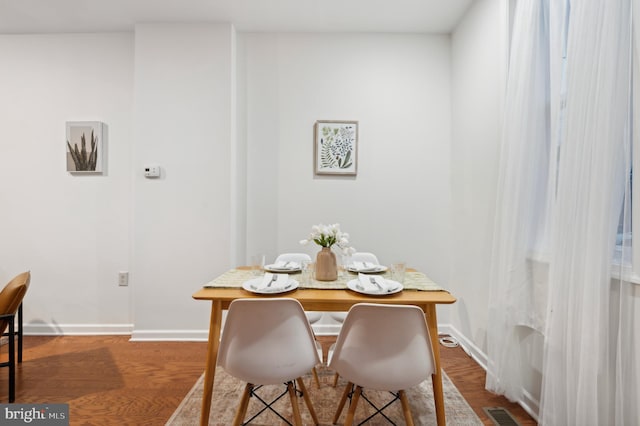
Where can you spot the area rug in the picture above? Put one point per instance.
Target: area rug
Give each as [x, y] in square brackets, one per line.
[227, 391]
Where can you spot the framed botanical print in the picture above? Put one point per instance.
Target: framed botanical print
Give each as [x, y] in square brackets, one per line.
[336, 147]
[85, 146]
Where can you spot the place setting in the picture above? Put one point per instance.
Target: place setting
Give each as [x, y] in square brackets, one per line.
[363, 266]
[284, 266]
[271, 283]
[375, 285]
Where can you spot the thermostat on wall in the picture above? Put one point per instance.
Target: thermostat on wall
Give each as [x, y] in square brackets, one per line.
[152, 171]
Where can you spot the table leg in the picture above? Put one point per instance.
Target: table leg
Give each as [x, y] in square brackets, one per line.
[212, 359]
[436, 378]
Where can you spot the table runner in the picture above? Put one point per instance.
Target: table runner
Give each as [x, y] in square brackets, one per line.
[413, 280]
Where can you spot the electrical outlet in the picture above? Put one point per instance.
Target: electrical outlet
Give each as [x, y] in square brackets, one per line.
[123, 278]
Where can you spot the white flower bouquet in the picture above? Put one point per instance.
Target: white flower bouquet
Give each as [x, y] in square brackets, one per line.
[329, 235]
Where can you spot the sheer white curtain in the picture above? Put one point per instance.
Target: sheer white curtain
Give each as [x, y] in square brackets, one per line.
[584, 359]
[591, 362]
[520, 208]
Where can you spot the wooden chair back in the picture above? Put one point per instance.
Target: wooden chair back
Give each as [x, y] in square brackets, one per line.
[11, 296]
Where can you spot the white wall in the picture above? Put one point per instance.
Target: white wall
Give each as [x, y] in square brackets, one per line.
[184, 117]
[477, 71]
[398, 88]
[76, 232]
[72, 232]
[167, 93]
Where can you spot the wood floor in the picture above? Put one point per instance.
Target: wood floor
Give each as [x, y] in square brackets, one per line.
[107, 380]
[469, 378]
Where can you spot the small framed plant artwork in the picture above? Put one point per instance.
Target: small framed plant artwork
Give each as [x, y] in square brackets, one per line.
[85, 145]
[336, 147]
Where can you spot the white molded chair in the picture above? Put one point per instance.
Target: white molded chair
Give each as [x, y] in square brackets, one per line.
[313, 317]
[385, 348]
[268, 342]
[364, 257]
[293, 257]
[355, 257]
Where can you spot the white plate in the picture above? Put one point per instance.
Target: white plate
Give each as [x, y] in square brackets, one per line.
[373, 270]
[252, 286]
[356, 286]
[275, 268]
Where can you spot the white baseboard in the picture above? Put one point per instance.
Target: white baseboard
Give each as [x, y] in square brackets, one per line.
[467, 345]
[42, 329]
[203, 335]
[170, 335]
[140, 335]
[528, 402]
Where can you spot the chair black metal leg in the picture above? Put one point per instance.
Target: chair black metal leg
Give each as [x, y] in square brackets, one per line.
[12, 361]
[19, 334]
[267, 405]
[396, 397]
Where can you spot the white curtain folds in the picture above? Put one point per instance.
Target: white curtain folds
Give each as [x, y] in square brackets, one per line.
[582, 384]
[564, 180]
[522, 194]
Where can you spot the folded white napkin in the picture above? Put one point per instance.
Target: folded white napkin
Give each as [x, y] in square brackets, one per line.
[368, 282]
[282, 264]
[364, 266]
[273, 282]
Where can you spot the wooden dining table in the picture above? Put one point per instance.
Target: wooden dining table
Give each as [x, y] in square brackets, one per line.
[323, 297]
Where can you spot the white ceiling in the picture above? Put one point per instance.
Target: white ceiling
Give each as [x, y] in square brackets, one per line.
[55, 16]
